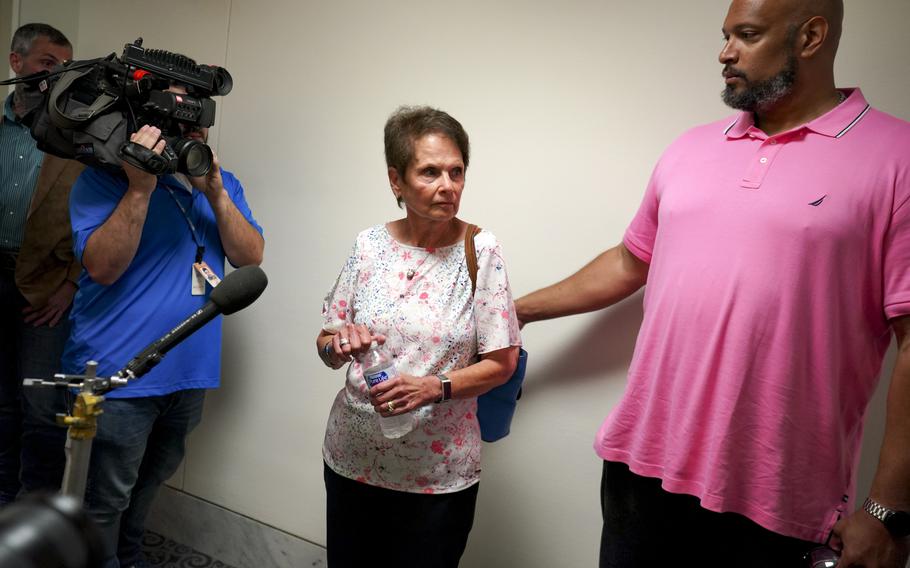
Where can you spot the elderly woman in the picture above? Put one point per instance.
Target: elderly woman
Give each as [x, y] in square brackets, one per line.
[406, 284]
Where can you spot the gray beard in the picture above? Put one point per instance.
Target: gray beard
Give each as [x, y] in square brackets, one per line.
[19, 100]
[762, 95]
[26, 100]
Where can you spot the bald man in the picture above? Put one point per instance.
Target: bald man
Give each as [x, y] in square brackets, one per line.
[775, 245]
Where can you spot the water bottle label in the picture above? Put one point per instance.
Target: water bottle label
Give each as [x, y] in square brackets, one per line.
[377, 378]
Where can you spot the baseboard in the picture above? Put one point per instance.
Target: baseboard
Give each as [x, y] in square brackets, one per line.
[228, 536]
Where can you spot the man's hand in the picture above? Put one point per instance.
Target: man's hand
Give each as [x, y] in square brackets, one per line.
[242, 243]
[211, 184]
[56, 306]
[863, 540]
[141, 180]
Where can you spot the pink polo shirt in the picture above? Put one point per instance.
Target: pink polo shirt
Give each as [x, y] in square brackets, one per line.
[775, 264]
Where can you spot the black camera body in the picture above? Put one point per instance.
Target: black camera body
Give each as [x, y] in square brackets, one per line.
[87, 110]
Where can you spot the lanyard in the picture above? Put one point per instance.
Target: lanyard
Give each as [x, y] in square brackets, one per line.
[200, 249]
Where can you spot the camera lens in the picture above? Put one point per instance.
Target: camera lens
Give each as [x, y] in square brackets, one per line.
[193, 157]
[195, 161]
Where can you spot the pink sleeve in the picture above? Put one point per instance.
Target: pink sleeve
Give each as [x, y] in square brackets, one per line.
[897, 262]
[642, 231]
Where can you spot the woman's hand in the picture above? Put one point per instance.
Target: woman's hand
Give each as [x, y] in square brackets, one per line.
[338, 348]
[405, 393]
[354, 340]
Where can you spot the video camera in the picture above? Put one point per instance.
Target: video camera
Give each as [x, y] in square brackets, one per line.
[87, 110]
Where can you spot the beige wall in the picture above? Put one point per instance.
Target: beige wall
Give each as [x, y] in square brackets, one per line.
[568, 105]
[6, 27]
[9, 18]
[63, 15]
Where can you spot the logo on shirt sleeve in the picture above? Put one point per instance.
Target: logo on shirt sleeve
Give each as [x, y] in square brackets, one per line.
[818, 201]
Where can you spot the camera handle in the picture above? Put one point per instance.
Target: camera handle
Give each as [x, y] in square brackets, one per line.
[82, 424]
[146, 160]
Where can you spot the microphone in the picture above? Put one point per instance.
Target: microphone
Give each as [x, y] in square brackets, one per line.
[238, 290]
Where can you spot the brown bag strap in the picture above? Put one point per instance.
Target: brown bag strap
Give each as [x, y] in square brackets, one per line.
[470, 254]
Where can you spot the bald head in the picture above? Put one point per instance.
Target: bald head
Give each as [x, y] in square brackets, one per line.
[797, 13]
[778, 51]
[832, 11]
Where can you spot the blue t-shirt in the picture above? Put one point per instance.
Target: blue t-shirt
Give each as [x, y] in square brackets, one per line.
[112, 324]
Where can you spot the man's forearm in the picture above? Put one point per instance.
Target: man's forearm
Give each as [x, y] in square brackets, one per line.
[242, 243]
[612, 276]
[891, 484]
[111, 248]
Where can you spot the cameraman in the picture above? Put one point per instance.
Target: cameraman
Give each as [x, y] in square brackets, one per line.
[140, 239]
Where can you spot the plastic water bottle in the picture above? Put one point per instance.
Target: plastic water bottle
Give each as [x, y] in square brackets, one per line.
[379, 367]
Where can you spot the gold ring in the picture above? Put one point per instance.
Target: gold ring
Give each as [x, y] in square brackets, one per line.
[391, 406]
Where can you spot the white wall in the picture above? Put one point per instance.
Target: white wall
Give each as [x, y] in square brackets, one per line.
[568, 105]
[62, 14]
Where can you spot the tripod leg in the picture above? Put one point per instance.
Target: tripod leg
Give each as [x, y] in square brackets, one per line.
[78, 453]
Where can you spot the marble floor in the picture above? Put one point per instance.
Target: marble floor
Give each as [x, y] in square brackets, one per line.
[227, 537]
[162, 552]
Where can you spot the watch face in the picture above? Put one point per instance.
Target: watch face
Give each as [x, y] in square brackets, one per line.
[898, 523]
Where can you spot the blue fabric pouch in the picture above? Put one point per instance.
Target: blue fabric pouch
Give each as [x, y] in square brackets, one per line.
[496, 407]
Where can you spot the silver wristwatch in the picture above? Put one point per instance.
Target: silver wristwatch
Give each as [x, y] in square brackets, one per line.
[897, 522]
[446, 384]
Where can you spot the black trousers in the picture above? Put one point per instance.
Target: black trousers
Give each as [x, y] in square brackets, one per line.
[373, 526]
[32, 454]
[647, 527]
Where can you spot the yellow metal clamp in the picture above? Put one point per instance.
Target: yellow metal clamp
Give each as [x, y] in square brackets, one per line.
[84, 421]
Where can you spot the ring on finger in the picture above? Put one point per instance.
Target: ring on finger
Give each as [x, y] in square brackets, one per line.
[391, 406]
[343, 341]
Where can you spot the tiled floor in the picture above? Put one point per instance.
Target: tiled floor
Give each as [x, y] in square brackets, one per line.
[163, 552]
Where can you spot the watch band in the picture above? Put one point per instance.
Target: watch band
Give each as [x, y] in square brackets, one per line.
[877, 510]
[446, 383]
[897, 522]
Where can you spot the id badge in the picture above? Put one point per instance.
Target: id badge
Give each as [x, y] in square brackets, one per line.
[197, 282]
[206, 273]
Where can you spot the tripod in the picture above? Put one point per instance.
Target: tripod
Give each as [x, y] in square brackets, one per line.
[82, 423]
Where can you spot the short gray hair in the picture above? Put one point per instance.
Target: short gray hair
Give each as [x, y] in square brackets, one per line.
[26, 35]
[409, 123]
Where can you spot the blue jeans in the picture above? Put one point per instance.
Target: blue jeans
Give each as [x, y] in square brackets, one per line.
[31, 444]
[139, 445]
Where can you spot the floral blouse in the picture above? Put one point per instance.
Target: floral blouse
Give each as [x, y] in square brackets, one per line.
[420, 298]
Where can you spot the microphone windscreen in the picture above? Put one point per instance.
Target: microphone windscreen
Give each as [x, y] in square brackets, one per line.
[239, 289]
